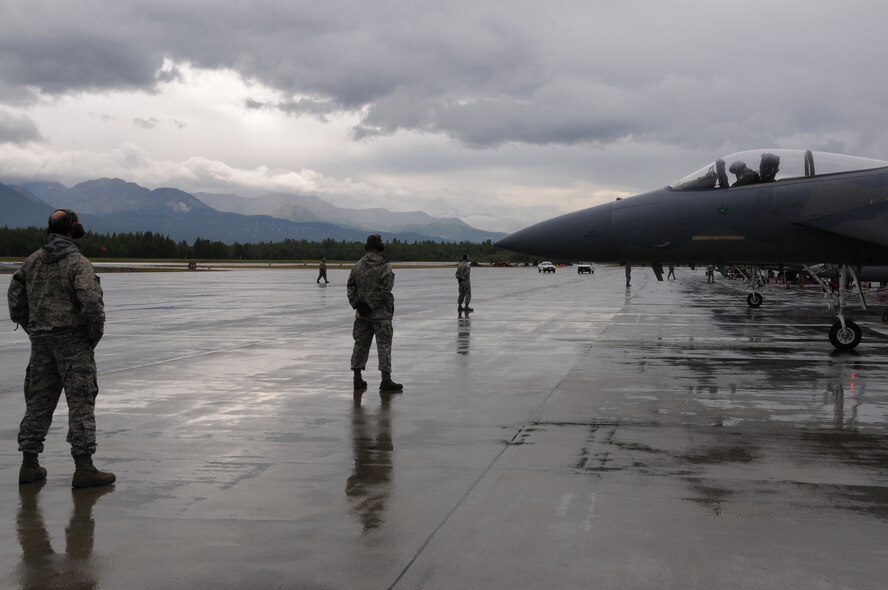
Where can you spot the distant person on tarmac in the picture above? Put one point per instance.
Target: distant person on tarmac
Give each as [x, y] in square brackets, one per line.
[57, 300]
[710, 274]
[463, 270]
[628, 275]
[671, 274]
[322, 271]
[370, 294]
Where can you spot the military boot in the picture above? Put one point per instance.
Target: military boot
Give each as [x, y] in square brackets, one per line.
[31, 470]
[360, 384]
[87, 476]
[389, 386]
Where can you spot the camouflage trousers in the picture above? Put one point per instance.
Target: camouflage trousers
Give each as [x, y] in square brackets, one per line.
[363, 333]
[465, 293]
[60, 361]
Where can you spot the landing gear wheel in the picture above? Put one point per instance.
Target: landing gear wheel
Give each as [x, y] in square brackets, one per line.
[845, 338]
[754, 300]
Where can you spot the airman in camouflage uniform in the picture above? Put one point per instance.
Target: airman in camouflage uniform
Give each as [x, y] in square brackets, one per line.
[370, 294]
[322, 271]
[56, 297]
[463, 269]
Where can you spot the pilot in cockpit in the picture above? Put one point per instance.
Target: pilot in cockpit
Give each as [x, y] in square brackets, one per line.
[745, 174]
[769, 167]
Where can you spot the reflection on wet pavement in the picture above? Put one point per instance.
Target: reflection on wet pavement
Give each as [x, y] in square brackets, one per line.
[369, 486]
[41, 567]
[463, 335]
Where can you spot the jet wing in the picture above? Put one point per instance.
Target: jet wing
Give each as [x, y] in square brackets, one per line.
[868, 223]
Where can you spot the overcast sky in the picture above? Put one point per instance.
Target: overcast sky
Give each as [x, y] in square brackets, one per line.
[500, 113]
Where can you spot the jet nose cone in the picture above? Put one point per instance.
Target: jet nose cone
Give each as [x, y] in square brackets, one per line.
[511, 242]
[527, 240]
[584, 235]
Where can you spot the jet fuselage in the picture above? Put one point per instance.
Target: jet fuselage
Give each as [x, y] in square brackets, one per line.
[831, 218]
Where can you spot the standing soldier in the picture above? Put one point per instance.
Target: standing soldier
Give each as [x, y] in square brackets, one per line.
[322, 271]
[57, 299]
[628, 275]
[463, 269]
[370, 294]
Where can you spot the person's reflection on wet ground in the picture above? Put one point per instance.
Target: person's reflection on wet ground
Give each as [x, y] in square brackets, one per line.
[369, 486]
[463, 334]
[41, 567]
[836, 393]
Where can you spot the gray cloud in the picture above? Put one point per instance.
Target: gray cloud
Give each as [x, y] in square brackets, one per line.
[254, 105]
[58, 52]
[146, 123]
[169, 73]
[317, 107]
[17, 128]
[489, 73]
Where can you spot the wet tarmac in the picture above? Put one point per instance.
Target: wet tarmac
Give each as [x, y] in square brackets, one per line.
[571, 433]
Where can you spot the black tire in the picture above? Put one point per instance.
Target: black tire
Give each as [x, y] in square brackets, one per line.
[846, 339]
[754, 300]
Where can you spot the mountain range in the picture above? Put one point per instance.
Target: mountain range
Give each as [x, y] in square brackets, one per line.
[302, 208]
[114, 205]
[20, 208]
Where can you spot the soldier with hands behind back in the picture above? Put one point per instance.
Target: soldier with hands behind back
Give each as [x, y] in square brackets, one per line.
[370, 295]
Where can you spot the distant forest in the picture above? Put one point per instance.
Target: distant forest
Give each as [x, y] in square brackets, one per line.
[20, 243]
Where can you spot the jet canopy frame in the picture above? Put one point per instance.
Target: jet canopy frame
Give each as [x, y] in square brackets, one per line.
[771, 165]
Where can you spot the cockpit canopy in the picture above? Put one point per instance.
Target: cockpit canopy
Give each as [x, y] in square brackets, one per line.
[755, 166]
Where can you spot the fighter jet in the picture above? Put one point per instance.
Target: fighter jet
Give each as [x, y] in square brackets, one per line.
[780, 207]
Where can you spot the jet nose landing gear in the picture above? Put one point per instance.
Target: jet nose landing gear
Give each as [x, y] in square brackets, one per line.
[755, 282]
[845, 337]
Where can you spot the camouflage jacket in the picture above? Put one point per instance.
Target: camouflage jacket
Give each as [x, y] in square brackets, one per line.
[371, 281]
[462, 270]
[57, 289]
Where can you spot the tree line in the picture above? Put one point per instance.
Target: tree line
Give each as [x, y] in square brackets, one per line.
[21, 242]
